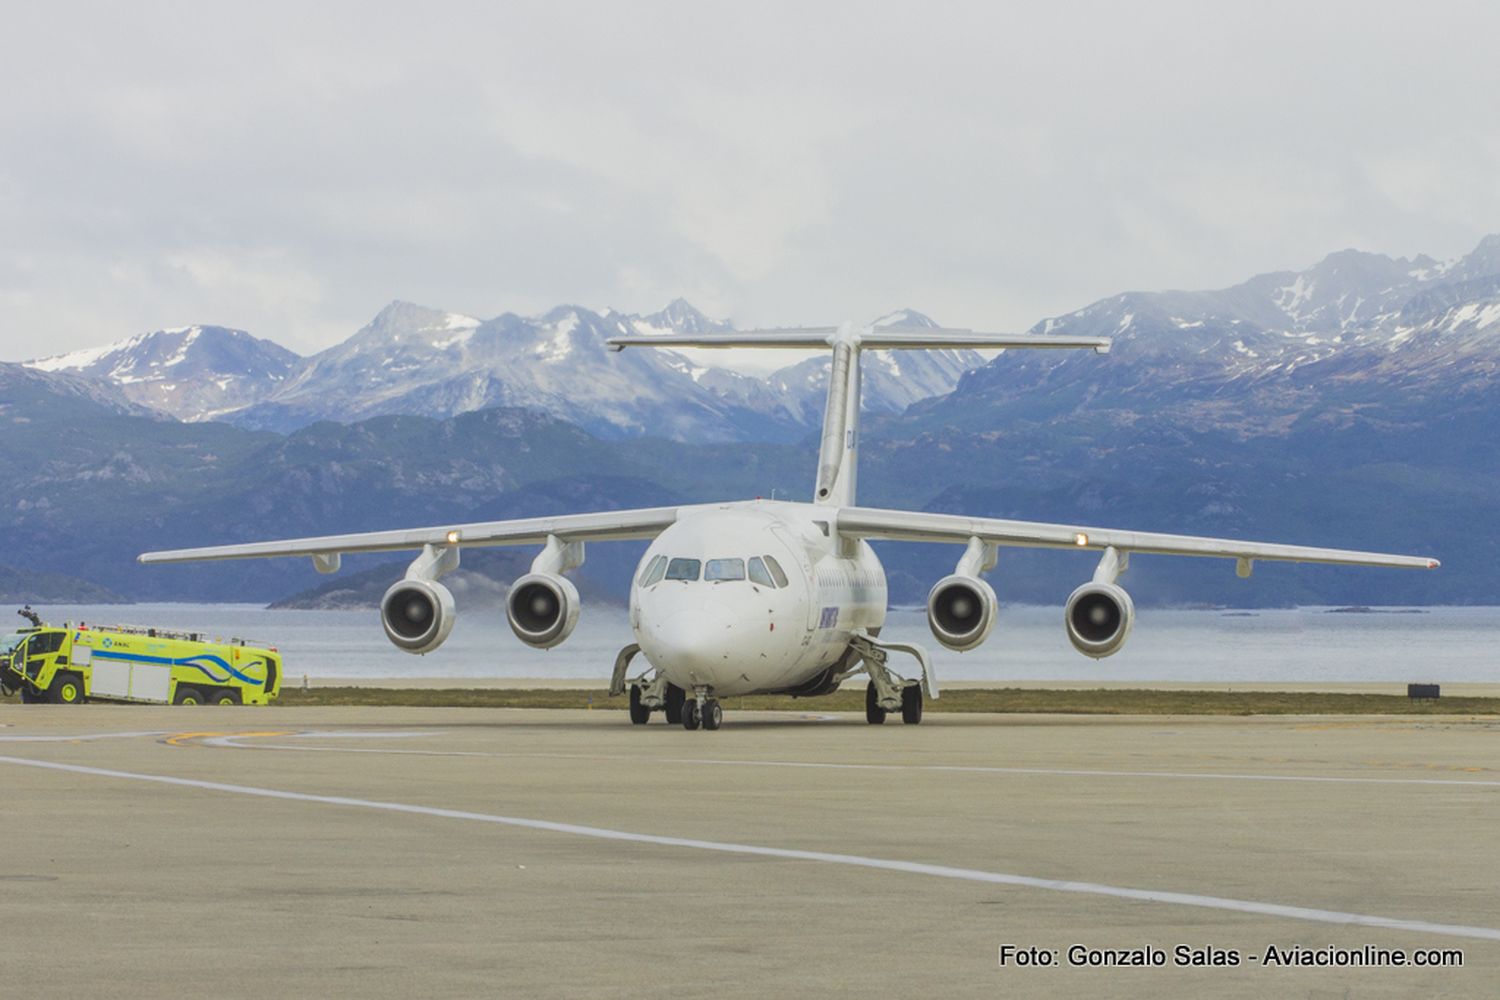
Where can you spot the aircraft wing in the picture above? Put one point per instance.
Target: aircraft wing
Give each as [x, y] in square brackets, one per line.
[610, 525]
[916, 526]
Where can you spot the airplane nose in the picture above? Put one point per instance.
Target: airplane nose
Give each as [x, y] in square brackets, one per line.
[697, 642]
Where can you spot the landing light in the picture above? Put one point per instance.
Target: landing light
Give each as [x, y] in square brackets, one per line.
[1080, 539]
[453, 537]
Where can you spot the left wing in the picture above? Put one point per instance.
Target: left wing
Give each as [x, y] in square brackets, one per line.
[609, 525]
[916, 526]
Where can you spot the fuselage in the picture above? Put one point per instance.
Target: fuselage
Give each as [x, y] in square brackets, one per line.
[753, 596]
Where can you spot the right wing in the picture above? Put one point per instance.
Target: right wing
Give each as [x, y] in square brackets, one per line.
[609, 525]
[920, 526]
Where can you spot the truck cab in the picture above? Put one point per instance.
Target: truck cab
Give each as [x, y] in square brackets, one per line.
[36, 666]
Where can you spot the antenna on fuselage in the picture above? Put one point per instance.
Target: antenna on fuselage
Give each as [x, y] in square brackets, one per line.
[838, 452]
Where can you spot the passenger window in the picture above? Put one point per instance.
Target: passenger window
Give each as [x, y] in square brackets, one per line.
[725, 569]
[775, 568]
[653, 572]
[758, 573]
[683, 569]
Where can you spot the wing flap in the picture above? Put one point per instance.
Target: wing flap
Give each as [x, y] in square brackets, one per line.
[916, 526]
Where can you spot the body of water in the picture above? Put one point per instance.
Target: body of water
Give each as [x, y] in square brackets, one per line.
[1305, 645]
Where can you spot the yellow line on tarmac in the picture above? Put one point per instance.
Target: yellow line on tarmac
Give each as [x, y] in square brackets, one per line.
[186, 739]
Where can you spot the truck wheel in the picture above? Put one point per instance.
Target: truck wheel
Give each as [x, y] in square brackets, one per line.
[67, 689]
[188, 696]
[224, 696]
[30, 697]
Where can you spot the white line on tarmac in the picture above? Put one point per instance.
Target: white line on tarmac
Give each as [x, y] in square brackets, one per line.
[85, 736]
[233, 742]
[852, 860]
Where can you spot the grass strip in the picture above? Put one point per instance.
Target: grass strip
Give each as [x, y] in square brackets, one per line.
[1004, 700]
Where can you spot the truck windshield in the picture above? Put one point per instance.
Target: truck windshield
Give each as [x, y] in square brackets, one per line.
[10, 642]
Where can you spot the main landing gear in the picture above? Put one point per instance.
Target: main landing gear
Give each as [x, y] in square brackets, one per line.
[888, 691]
[651, 692]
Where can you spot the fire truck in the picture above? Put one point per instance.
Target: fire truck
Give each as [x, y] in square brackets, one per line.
[132, 663]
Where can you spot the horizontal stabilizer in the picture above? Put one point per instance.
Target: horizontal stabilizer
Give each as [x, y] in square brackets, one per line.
[895, 338]
[886, 338]
[802, 336]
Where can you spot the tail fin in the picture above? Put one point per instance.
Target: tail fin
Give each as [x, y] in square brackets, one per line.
[838, 455]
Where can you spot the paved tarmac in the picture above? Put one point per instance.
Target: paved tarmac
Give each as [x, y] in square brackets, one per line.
[282, 852]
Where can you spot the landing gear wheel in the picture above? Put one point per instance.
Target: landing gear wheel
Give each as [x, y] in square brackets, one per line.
[67, 689]
[675, 697]
[224, 696]
[713, 715]
[690, 718]
[188, 696]
[911, 704]
[874, 714]
[639, 714]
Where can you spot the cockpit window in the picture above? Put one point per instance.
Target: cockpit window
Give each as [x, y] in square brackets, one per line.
[683, 569]
[654, 571]
[775, 568]
[725, 569]
[758, 573]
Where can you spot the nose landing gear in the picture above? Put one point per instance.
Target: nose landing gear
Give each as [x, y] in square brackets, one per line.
[702, 710]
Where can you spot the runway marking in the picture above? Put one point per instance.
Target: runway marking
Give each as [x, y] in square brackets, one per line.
[230, 741]
[83, 737]
[851, 860]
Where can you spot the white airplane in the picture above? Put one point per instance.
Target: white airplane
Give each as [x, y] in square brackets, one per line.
[760, 596]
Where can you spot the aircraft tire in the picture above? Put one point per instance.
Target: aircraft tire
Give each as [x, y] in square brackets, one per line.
[639, 714]
[713, 715]
[911, 704]
[874, 714]
[674, 698]
[690, 718]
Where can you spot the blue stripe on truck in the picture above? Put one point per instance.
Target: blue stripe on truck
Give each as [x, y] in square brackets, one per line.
[188, 661]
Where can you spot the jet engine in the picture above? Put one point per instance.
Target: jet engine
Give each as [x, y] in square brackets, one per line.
[961, 611]
[417, 614]
[542, 609]
[1099, 617]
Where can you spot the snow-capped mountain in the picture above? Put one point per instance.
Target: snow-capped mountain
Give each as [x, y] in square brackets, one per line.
[192, 372]
[1255, 357]
[428, 362]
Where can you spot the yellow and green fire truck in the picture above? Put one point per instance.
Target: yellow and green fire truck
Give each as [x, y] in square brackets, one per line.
[127, 663]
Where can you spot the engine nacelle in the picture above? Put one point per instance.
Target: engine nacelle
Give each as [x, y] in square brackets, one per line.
[542, 609]
[961, 611]
[1099, 617]
[417, 614]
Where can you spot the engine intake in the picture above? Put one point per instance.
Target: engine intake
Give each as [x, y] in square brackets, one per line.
[417, 614]
[1099, 617]
[961, 611]
[542, 609]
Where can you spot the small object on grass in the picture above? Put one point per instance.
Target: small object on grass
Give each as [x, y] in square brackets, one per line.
[1423, 690]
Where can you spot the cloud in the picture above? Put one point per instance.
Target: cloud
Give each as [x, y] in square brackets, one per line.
[289, 168]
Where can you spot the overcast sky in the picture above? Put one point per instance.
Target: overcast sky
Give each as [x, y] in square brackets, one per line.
[290, 168]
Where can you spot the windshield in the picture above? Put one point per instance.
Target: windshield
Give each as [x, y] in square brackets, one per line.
[683, 569]
[725, 569]
[10, 642]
